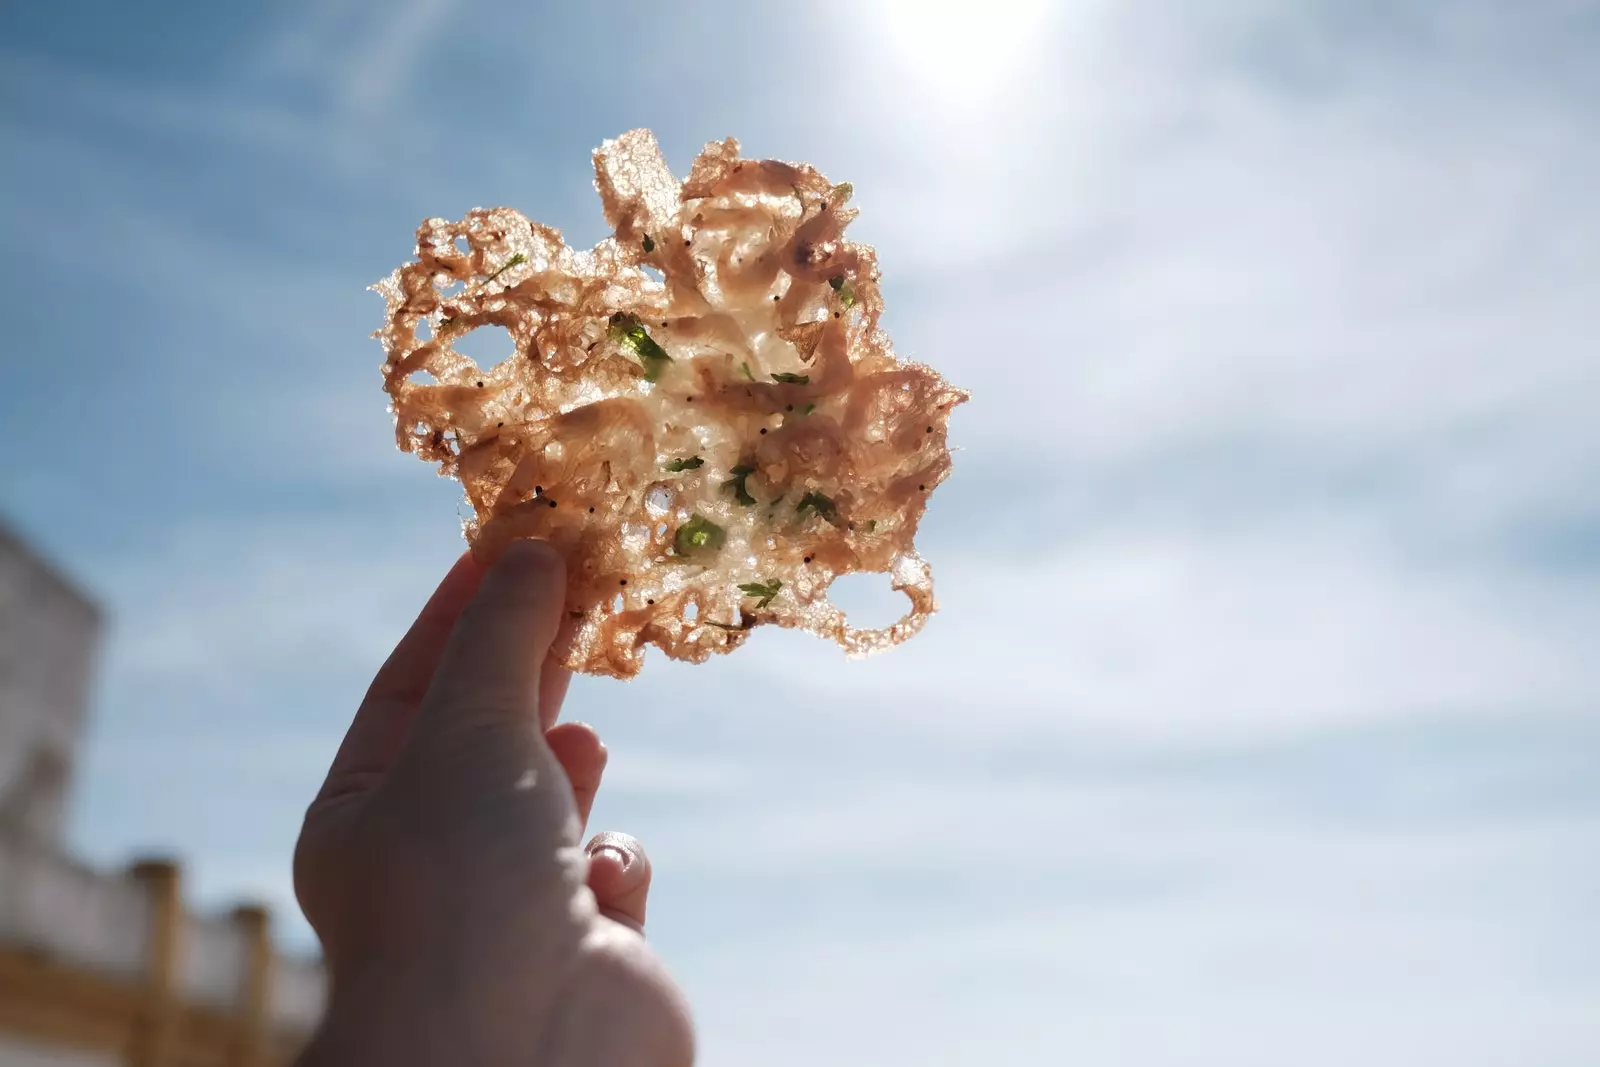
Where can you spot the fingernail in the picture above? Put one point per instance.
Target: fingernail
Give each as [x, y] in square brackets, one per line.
[526, 561]
[529, 552]
[622, 857]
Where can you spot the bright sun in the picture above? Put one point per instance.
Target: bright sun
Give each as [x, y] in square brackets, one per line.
[966, 53]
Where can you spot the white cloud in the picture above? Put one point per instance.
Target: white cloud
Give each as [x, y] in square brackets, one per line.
[377, 72]
[362, 55]
[1209, 634]
[1118, 924]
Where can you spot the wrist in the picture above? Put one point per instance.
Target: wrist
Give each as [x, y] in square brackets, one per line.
[393, 1018]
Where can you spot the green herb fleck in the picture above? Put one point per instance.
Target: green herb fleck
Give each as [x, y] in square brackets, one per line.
[689, 464]
[872, 524]
[736, 484]
[808, 409]
[699, 534]
[764, 590]
[515, 261]
[842, 192]
[746, 368]
[846, 291]
[822, 505]
[726, 626]
[792, 379]
[649, 245]
[446, 324]
[627, 331]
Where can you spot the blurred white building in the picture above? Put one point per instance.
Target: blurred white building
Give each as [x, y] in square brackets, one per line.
[110, 967]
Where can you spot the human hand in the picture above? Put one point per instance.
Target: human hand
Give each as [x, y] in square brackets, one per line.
[440, 865]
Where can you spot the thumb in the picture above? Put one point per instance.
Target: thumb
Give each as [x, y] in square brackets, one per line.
[619, 877]
[489, 672]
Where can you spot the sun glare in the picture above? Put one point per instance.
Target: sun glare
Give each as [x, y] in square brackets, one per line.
[966, 53]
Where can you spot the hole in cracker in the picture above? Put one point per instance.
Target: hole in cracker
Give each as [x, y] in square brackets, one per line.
[867, 599]
[658, 501]
[616, 604]
[462, 246]
[487, 346]
[691, 611]
[421, 377]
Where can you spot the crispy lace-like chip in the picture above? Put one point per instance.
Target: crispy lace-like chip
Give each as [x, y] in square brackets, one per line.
[701, 413]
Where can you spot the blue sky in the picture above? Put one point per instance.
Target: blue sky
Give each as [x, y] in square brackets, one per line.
[1263, 718]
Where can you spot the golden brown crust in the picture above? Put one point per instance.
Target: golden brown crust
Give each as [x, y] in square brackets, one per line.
[710, 442]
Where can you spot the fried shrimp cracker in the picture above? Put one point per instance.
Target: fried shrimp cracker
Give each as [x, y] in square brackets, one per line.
[701, 413]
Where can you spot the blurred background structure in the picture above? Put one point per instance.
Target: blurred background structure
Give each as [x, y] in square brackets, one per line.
[110, 967]
[1262, 720]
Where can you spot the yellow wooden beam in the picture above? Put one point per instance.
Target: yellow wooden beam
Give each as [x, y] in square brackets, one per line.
[152, 1044]
[255, 1007]
[47, 1002]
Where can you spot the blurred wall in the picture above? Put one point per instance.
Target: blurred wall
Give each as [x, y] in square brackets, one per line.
[49, 632]
[110, 967]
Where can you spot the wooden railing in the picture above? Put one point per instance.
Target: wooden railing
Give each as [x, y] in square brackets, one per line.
[115, 965]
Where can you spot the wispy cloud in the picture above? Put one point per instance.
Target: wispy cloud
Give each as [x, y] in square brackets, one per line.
[1259, 721]
[361, 55]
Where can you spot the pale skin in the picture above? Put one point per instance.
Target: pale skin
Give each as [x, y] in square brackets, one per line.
[440, 864]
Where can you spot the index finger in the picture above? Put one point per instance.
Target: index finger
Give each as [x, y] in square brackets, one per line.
[493, 665]
[383, 721]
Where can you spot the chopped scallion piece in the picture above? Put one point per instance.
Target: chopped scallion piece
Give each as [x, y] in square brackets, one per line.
[764, 590]
[627, 331]
[689, 464]
[817, 502]
[699, 534]
[846, 291]
[792, 379]
[736, 484]
[515, 261]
